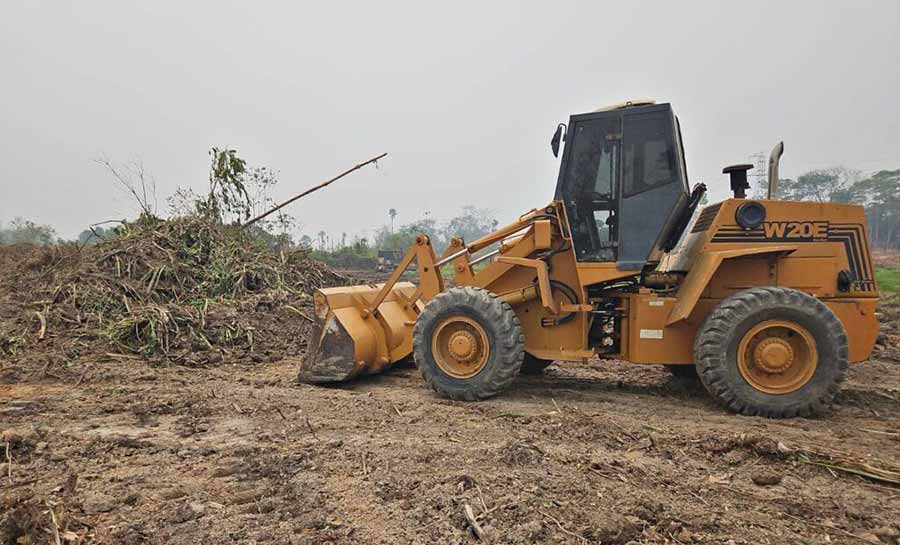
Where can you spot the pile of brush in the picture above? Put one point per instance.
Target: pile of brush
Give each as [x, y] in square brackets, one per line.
[185, 290]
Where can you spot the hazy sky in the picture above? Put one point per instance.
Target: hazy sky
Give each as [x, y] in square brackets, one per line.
[463, 95]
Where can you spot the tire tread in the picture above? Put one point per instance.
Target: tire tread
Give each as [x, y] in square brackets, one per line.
[712, 340]
[510, 343]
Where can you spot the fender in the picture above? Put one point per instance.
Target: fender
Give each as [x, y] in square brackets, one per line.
[702, 272]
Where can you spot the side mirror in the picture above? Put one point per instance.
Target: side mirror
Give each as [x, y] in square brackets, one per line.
[558, 136]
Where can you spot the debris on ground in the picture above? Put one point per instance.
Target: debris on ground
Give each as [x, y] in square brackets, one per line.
[763, 477]
[183, 291]
[887, 347]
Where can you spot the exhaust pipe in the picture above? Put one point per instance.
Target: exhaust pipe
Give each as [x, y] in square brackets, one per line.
[774, 160]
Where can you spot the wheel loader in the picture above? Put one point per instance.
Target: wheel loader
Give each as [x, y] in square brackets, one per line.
[766, 301]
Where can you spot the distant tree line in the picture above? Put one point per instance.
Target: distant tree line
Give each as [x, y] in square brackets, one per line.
[879, 193]
[22, 231]
[470, 224]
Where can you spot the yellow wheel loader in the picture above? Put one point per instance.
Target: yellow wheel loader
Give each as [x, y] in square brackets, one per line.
[767, 301]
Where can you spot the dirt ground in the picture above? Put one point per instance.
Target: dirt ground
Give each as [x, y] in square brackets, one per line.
[111, 449]
[125, 453]
[886, 258]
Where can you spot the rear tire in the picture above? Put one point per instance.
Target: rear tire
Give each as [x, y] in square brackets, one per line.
[533, 365]
[468, 344]
[773, 352]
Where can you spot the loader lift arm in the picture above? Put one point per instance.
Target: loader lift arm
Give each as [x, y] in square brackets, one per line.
[430, 281]
[364, 329]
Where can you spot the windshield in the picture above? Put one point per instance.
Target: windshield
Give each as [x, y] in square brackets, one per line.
[588, 186]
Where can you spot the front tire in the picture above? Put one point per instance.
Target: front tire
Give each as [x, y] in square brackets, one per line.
[773, 352]
[468, 344]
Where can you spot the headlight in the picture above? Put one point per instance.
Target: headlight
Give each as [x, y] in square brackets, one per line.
[750, 215]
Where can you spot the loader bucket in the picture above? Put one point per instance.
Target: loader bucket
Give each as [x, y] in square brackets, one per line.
[347, 341]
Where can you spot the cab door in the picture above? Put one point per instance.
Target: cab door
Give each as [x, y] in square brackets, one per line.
[652, 182]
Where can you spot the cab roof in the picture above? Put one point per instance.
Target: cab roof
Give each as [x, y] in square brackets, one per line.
[627, 104]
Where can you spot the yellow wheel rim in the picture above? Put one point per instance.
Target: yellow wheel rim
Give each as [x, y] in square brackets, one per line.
[460, 347]
[777, 357]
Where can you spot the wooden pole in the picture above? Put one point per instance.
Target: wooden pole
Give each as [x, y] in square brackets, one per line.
[311, 190]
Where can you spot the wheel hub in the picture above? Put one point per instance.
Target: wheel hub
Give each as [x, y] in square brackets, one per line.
[462, 346]
[777, 356]
[773, 355]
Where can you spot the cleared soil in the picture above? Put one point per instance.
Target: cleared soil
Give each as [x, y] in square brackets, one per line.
[125, 453]
[108, 448]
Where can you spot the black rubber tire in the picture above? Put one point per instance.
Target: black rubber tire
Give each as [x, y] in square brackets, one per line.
[683, 372]
[715, 351]
[505, 337]
[533, 365]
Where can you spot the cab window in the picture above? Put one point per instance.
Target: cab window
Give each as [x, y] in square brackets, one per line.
[648, 157]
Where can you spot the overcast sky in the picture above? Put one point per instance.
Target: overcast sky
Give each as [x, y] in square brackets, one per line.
[463, 95]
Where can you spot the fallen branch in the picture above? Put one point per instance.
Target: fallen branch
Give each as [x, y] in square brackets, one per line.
[836, 460]
[55, 525]
[122, 356]
[43, 330]
[311, 429]
[122, 222]
[300, 312]
[310, 190]
[484, 507]
[562, 528]
[470, 517]
[881, 432]
[857, 468]
[81, 378]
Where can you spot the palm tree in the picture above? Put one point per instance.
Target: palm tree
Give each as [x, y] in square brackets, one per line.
[393, 214]
[322, 240]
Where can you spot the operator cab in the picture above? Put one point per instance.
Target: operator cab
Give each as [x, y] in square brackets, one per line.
[623, 180]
